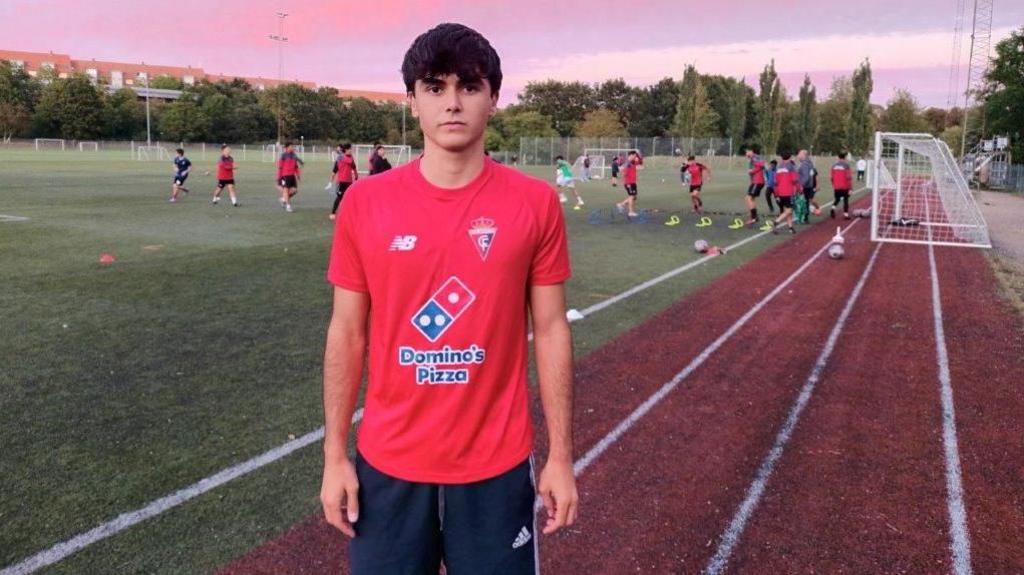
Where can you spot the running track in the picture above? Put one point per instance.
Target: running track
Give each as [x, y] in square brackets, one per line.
[859, 486]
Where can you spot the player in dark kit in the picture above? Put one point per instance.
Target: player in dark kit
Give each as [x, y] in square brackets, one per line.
[756, 171]
[288, 176]
[615, 170]
[182, 166]
[842, 182]
[345, 172]
[696, 171]
[225, 176]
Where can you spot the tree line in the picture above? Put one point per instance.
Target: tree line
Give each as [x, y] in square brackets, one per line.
[696, 105]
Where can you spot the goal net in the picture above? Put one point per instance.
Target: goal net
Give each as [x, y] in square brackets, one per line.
[920, 195]
[396, 155]
[152, 153]
[88, 146]
[594, 171]
[603, 157]
[49, 144]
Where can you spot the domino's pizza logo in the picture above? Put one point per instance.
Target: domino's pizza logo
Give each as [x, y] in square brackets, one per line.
[443, 308]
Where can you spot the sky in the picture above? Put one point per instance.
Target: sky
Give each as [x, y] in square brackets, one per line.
[359, 45]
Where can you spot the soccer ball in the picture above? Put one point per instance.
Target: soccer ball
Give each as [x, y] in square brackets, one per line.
[701, 246]
[836, 251]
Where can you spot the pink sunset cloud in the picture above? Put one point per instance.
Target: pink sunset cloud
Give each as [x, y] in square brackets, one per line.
[360, 44]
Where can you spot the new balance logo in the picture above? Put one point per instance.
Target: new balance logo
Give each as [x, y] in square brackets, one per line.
[402, 244]
[522, 539]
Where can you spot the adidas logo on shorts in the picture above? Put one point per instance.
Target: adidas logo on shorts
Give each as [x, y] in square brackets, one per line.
[522, 539]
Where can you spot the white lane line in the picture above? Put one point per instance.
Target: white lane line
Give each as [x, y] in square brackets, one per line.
[665, 389]
[764, 472]
[960, 542]
[126, 520]
[9, 218]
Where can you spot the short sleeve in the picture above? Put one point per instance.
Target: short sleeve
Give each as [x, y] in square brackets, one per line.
[345, 269]
[551, 258]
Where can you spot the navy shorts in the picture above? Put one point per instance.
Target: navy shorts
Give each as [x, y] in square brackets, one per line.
[695, 188]
[287, 182]
[222, 183]
[412, 528]
[179, 179]
[785, 201]
[754, 190]
[630, 189]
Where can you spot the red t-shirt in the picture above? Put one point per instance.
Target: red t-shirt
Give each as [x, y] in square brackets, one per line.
[226, 168]
[629, 172]
[841, 179]
[346, 168]
[786, 180]
[756, 170]
[447, 271]
[696, 173]
[288, 165]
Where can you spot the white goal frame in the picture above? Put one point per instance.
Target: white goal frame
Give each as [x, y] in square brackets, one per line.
[597, 166]
[397, 155]
[44, 141]
[920, 196]
[606, 155]
[149, 153]
[93, 146]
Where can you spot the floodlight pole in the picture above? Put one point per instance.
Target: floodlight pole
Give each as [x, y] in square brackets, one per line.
[149, 137]
[280, 38]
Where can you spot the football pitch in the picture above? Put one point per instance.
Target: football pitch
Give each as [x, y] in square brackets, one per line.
[201, 346]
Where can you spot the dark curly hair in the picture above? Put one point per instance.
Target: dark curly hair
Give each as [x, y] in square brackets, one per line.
[451, 49]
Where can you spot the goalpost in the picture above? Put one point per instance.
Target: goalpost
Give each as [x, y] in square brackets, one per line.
[397, 155]
[91, 146]
[49, 144]
[595, 171]
[147, 153]
[604, 157]
[920, 196]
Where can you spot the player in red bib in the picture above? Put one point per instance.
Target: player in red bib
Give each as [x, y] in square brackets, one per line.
[289, 172]
[696, 170]
[842, 183]
[345, 172]
[455, 252]
[225, 177]
[787, 185]
[628, 205]
[756, 172]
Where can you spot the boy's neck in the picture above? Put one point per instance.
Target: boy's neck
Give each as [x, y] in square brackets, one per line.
[448, 169]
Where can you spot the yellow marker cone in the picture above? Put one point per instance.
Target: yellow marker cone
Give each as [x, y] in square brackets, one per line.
[736, 224]
[673, 221]
[766, 227]
[704, 222]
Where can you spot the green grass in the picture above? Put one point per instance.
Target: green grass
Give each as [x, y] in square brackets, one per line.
[202, 345]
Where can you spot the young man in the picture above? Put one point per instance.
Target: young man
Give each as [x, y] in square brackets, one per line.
[787, 185]
[455, 252]
[565, 181]
[586, 168]
[288, 176]
[628, 205]
[769, 185]
[842, 183]
[862, 168]
[182, 166]
[616, 163]
[808, 180]
[378, 161]
[225, 176]
[755, 169]
[345, 172]
[696, 170]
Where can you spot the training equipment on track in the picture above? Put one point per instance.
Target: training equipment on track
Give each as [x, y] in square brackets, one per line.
[704, 222]
[673, 221]
[737, 224]
[700, 246]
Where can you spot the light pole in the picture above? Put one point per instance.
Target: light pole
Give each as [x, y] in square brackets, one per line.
[280, 38]
[149, 137]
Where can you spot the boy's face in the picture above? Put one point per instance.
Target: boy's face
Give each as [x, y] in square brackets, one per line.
[226, 152]
[453, 114]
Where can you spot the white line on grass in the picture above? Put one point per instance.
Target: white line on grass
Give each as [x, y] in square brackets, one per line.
[9, 218]
[764, 472]
[126, 520]
[960, 542]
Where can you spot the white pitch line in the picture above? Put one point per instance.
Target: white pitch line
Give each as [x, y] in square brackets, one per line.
[739, 521]
[126, 520]
[665, 389]
[960, 542]
[9, 218]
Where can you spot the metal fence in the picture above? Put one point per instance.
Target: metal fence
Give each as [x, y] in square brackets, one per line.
[543, 151]
[1015, 179]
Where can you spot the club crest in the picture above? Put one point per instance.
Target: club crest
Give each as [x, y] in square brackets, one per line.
[482, 232]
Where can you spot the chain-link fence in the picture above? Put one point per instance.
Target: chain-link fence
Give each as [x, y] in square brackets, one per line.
[543, 151]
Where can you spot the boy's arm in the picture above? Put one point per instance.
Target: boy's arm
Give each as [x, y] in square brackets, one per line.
[552, 342]
[343, 370]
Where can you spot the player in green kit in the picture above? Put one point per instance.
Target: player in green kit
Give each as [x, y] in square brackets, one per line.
[565, 180]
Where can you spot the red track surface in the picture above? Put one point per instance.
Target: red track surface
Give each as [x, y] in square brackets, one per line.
[860, 488]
